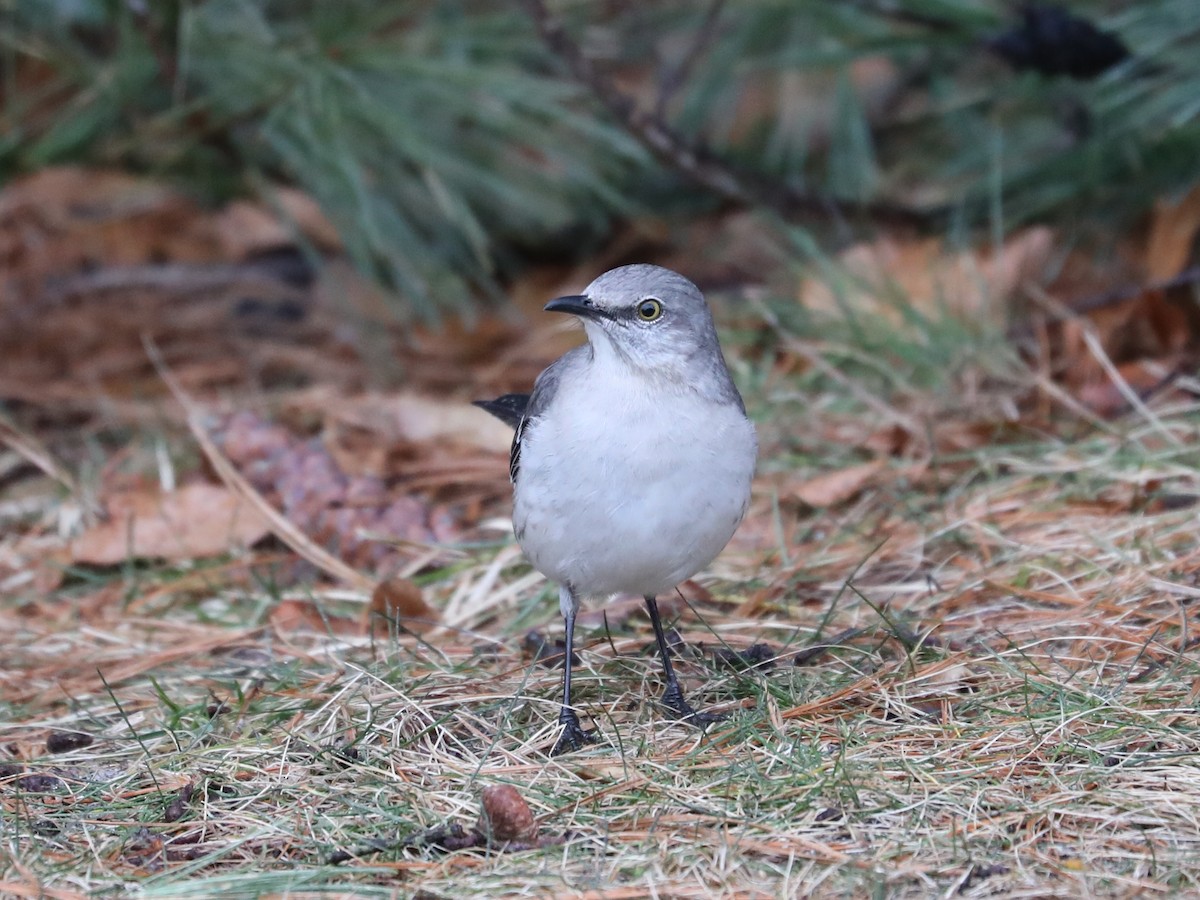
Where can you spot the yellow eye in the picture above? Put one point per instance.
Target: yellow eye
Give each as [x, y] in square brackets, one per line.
[649, 310]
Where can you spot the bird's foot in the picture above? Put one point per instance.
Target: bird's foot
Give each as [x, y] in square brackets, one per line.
[573, 736]
[673, 700]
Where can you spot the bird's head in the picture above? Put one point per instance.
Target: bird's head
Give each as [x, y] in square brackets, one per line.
[650, 316]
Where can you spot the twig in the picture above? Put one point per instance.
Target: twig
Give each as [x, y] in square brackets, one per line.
[177, 278]
[671, 81]
[910, 17]
[694, 159]
[164, 56]
[810, 654]
[1115, 297]
[1092, 341]
[37, 454]
[1120, 295]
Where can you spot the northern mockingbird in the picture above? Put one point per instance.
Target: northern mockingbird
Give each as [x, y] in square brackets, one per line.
[632, 458]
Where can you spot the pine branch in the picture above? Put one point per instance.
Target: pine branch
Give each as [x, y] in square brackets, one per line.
[671, 80]
[694, 159]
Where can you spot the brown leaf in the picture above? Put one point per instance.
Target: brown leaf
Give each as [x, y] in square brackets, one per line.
[1142, 376]
[505, 815]
[890, 440]
[693, 592]
[362, 431]
[197, 520]
[84, 215]
[308, 483]
[838, 486]
[929, 277]
[245, 227]
[401, 601]
[305, 615]
[1173, 230]
[957, 436]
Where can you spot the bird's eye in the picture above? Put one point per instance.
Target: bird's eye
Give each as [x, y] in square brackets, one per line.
[649, 310]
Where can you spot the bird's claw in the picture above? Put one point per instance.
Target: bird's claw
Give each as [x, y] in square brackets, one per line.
[573, 736]
[673, 700]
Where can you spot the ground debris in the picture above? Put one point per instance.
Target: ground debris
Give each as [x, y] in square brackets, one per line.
[178, 806]
[759, 656]
[980, 872]
[546, 652]
[995, 597]
[31, 782]
[809, 655]
[301, 478]
[65, 741]
[506, 825]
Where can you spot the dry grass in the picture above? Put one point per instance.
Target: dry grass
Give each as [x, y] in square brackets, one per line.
[1009, 708]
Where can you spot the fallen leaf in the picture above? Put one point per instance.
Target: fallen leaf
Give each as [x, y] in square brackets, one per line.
[890, 440]
[957, 436]
[103, 214]
[1173, 229]
[178, 806]
[1142, 376]
[247, 227]
[195, 521]
[383, 421]
[925, 275]
[837, 486]
[305, 615]
[306, 479]
[400, 601]
[692, 592]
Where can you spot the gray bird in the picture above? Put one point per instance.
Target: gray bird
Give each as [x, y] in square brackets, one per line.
[632, 458]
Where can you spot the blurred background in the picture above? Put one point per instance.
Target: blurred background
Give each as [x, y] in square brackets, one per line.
[340, 222]
[259, 596]
[452, 146]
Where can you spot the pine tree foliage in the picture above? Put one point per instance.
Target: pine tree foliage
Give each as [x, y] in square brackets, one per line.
[442, 136]
[431, 133]
[955, 125]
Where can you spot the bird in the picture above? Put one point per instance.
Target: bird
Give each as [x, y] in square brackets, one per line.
[631, 460]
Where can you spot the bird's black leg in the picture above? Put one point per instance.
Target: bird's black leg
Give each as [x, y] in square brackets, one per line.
[672, 697]
[573, 736]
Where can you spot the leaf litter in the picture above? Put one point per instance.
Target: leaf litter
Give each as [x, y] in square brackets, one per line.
[988, 601]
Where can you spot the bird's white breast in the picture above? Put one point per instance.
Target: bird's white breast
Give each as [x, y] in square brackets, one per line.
[619, 501]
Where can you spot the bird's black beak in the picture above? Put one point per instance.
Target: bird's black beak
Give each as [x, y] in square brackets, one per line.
[577, 305]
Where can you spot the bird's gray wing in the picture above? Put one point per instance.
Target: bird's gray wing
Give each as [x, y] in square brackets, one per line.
[544, 389]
